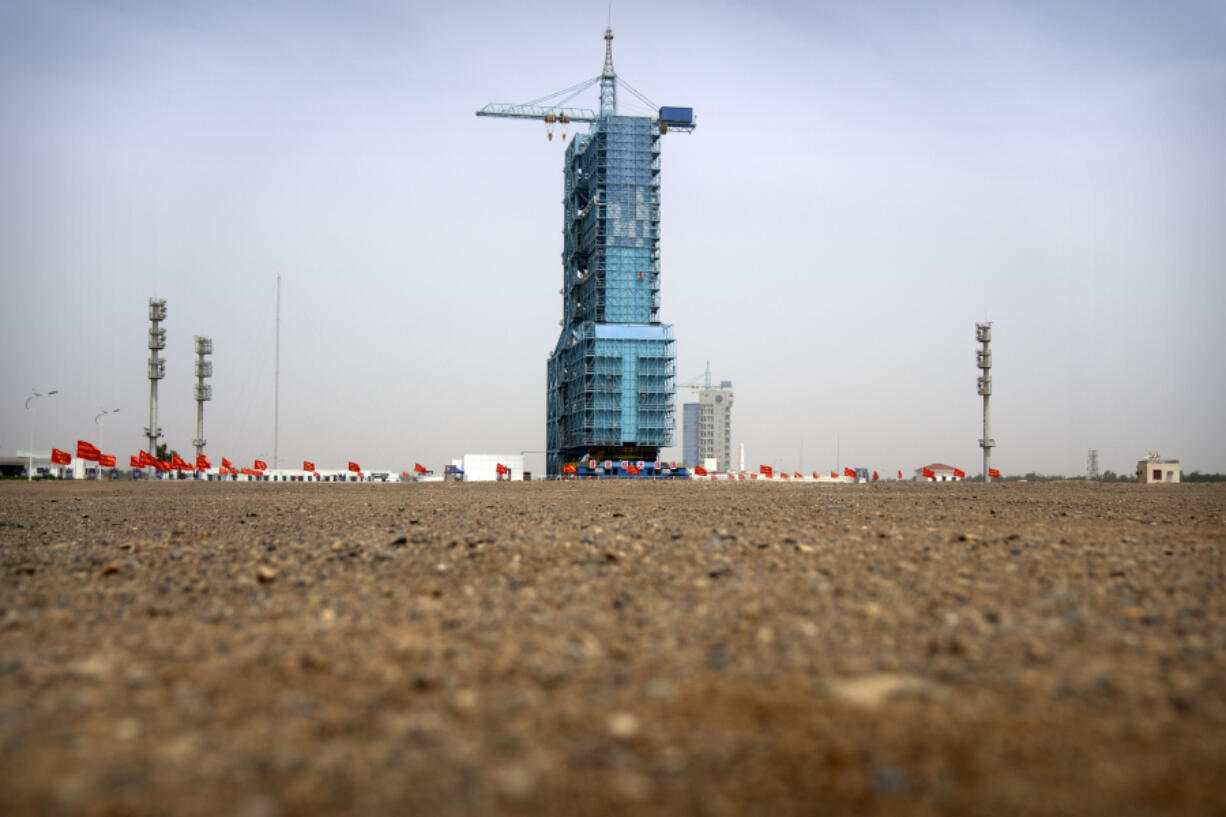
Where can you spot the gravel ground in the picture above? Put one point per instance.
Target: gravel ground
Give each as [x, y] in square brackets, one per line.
[627, 648]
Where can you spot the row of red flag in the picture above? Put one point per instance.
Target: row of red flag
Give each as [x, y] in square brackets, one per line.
[90, 452]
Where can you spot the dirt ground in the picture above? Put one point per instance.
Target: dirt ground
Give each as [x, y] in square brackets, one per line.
[615, 648]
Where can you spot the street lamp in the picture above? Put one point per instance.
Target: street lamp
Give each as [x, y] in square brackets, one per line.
[97, 418]
[31, 401]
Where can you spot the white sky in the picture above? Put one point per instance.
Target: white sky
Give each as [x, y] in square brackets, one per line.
[867, 180]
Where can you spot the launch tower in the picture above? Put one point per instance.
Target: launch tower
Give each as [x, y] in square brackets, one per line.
[610, 378]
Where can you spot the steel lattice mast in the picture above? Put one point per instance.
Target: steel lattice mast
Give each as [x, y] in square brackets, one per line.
[608, 78]
[157, 368]
[204, 392]
[983, 334]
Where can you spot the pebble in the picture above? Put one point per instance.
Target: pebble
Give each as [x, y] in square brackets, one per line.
[873, 691]
[623, 725]
[265, 574]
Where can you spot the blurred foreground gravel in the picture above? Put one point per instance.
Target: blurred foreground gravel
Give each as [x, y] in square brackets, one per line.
[625, 648]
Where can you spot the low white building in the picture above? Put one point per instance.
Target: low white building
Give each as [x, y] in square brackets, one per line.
[940, 472]
[484, 467]
[1154, 470]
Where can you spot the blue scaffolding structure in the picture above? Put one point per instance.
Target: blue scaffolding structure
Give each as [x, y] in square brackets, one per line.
[610, 378]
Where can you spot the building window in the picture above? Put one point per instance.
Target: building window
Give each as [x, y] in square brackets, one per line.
[1157, 475]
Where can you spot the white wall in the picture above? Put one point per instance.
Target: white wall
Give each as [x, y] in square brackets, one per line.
[484, 467]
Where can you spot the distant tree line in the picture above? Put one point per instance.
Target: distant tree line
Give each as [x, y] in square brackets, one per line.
[1106, 476]
[1197, 476]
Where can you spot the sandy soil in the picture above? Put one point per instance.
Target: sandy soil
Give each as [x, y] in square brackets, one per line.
[583, 648]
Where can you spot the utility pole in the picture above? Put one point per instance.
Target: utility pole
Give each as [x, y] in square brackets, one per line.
[157, 368]
[32, 400]
[983, 334]
[101, 442]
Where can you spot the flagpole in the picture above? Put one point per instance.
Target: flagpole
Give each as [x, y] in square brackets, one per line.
[276, 384]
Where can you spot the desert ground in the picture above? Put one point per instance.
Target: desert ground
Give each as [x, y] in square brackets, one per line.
[612, 648]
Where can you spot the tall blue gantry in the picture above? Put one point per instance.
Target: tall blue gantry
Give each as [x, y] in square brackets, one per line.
[610, 378]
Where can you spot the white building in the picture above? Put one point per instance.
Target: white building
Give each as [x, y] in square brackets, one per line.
[484, 467]
[940, 472]
[706, 431]
[1153, 470]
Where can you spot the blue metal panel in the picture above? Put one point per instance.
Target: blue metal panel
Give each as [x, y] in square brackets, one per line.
[677, 116]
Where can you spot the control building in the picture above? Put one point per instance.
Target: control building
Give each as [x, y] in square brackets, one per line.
[706, 431]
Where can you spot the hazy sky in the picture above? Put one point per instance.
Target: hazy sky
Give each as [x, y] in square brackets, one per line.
[867, 180]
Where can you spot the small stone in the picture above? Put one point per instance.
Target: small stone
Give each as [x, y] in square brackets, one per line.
[265, 574]
[872, 691]
[623, 725]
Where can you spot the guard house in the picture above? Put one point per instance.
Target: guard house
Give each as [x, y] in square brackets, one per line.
[1154, 470]
[938, 472]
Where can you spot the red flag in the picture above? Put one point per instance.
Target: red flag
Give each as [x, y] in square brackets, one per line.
[929, 473]
[418, 468]
[570, 468]
[815, 476]
[833, 475]
[259, 465]
[993, 473]
[161, 465]
[900, 474]
[179, 463]
[106, 460]
[699, 471]
[849, 472]
[60, 457]
[146, 460]
[765, 469]
[959, 473]
[85, 451]
[202, 462]
[353, 466]
[315, 474]
[225, 463]
[784, 475]
[874, 476]
[307, 465]
[502, 469]
[134, 462]
[796, 474]
[251, 472]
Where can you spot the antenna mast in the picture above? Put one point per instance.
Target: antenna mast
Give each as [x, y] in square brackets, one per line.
[204, 392]
[983, 334]
[157, 368]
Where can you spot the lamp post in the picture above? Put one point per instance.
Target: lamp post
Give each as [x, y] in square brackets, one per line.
[30, 401]
[97, 421]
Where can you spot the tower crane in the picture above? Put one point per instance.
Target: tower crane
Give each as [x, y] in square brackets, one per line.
[552, 108]
[693, 383]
